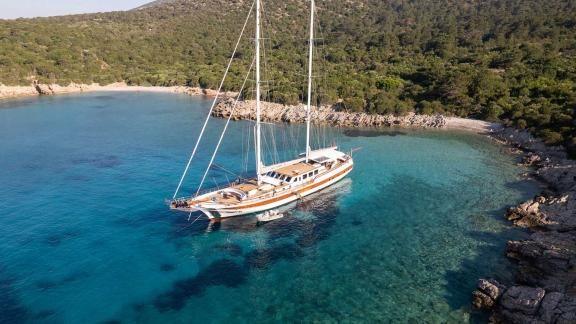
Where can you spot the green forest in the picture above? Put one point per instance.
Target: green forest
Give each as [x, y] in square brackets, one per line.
[512, 61]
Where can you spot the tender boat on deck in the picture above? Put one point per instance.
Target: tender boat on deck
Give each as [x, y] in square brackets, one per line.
[269, 216]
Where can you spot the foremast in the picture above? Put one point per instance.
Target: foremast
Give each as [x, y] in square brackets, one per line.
[258, 135]
[310, 62]
[258, 145]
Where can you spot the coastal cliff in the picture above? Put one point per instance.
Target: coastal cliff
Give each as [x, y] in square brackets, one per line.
[545, 288]
[327, 115]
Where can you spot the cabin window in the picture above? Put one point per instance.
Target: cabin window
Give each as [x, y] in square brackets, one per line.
[289, 179]
[305, 176]
[315, 172]
[283, 178]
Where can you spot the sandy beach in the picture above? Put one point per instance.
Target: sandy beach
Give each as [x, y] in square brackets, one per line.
[8, 92]
[472, 125]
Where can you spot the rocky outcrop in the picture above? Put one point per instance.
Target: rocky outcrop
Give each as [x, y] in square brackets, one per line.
[528, 214]
[546, 260]
[326, 115]
[525, 300]
[43, 89]
[531, 159]
[545, 288]
[524, 304]
[487, 294]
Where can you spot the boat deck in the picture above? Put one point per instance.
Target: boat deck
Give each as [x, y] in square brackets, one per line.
[248, 186]
[251, 185]
[250, 190]
[296, 169]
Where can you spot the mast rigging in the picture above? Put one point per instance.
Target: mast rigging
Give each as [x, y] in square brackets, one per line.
[310, 58]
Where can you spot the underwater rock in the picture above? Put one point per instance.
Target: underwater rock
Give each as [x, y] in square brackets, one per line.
[167, 267]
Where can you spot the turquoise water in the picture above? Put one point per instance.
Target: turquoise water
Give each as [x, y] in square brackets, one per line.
[85, 235]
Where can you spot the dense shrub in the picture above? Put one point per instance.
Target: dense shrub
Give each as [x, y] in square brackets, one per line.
[499, 60]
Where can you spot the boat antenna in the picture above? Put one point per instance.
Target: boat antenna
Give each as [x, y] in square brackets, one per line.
[258, 135]
[310, 58]
[213, 105]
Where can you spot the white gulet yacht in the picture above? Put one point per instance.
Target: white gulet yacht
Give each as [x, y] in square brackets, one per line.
[273, 185]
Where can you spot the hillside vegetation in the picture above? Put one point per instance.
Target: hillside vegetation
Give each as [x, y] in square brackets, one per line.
[501, 60]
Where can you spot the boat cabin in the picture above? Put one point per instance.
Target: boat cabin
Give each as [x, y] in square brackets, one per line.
[281, 179]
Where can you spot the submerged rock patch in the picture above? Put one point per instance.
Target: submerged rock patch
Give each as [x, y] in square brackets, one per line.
[12, 311]
[222, 272]
[102, 162]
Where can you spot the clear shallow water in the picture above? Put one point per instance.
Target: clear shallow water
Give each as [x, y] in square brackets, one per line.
[85, 236]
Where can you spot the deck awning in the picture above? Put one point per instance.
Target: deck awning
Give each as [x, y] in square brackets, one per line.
[320, 159]
[296, 169]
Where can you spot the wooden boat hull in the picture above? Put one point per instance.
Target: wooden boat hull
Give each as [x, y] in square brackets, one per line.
[281, 199]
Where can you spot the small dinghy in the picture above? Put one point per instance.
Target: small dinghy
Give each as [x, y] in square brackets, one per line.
[269, 216]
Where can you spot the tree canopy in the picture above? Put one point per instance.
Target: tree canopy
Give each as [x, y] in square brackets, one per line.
[512, 61]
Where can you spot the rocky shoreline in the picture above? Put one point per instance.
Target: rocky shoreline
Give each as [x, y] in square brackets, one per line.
[326, 115]
[545, 288]
[38, 89]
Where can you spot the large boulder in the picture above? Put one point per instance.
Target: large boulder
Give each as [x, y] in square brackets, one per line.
[547, 259]
[487, 294]
[522, 299]
[528, 214]
[44, 89]
[522, 304]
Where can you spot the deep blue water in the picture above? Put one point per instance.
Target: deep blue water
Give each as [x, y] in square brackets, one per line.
[85, 235]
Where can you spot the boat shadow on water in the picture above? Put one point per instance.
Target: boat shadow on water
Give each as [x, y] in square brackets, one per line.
[233, 270]
[311, 209]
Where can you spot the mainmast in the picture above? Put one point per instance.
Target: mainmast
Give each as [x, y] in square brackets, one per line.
[258, 139]
[310, 58]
